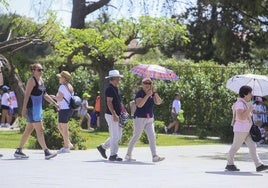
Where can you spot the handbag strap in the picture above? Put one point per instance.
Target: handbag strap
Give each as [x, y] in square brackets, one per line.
[68, 102]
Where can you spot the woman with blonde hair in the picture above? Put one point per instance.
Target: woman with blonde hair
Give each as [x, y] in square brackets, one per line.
[143, 120]
[65, 113]
[32, 109]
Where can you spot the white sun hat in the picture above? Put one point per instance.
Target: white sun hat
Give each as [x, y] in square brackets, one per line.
[114, 73]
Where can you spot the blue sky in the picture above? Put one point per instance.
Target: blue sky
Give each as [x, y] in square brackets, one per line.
[32, 8]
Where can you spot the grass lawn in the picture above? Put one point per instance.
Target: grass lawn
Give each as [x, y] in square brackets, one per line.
[10, 139]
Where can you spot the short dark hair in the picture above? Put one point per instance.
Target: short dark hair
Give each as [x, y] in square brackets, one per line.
[244, 90]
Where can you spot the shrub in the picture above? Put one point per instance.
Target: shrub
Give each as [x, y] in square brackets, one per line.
[226, 134]
[53, 137]
[159, 126]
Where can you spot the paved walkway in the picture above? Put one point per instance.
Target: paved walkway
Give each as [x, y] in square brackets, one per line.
[185, 167]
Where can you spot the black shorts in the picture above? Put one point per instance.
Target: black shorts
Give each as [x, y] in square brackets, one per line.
[5, 107]
[65, 115]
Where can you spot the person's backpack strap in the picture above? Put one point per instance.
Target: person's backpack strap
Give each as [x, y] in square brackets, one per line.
[68, 102]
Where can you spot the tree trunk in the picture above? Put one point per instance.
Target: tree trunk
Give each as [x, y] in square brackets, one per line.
[78, 14]
[103, 72]
[13, 80]
[81, 9]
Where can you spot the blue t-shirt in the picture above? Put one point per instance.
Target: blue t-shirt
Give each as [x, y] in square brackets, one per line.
[147, 110]
[114, 93]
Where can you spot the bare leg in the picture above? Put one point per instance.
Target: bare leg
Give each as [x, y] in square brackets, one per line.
[9, 118]
[39, 129]
[172, 124]
[4, 116]
[176, 127]
[81, 120]
[27, 132]
[98, 121]
[64, 130]
[88, 122]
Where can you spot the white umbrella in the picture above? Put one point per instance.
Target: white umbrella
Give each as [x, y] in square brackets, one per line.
[258, 83]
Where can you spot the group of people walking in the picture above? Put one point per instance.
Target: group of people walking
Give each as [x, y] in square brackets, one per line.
[143, 116]
[145, 99]
[32, 109]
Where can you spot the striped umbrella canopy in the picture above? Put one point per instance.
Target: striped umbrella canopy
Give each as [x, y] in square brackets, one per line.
[155, 72]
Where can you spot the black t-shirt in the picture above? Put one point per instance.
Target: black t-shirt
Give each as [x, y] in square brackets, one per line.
[114, 93]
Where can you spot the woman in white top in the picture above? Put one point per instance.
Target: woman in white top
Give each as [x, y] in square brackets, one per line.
[5, 103]
[63, 98]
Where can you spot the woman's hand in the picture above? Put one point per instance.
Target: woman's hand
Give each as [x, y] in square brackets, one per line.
[149, 92]
[154, 89]
[251, 108]
[57, 106]
[52, 96]
[115, 118]
[23, 112]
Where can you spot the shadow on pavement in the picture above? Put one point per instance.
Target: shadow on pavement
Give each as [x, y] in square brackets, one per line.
[121, 162]
[228, 173]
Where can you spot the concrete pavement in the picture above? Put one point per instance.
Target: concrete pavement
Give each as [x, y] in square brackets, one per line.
[184, 166]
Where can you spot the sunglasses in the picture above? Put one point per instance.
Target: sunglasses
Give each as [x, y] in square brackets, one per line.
[147, 83]
[40, 70]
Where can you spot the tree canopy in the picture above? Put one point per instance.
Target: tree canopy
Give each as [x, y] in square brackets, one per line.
[227, 31]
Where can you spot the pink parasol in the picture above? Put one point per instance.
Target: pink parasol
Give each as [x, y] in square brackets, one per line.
[155, 72]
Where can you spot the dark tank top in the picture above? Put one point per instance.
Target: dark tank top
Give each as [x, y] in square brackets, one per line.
[38, 90]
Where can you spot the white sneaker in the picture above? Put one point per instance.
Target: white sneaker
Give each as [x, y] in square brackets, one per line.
[63, 150]
[71, 146]
[6, 125]
[156, 158]
[129, 158]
